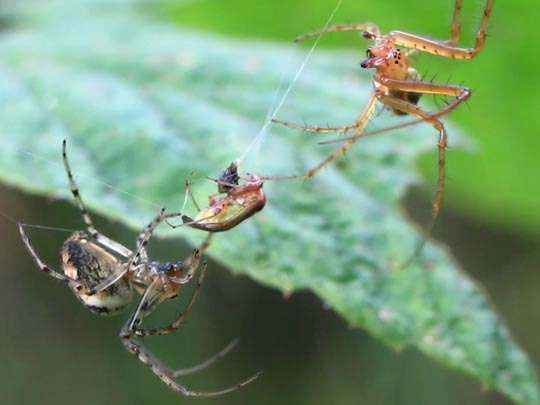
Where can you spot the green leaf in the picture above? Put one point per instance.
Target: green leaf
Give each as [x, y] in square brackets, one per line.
[142, 104]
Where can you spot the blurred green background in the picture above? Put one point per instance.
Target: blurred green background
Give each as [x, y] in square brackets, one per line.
[56, 352]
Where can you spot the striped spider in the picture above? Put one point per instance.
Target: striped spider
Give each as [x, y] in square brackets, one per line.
[102, 274]
[399, 86]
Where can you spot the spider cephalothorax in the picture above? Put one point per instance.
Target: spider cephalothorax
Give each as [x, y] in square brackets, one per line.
[390, 61]
[385, 57]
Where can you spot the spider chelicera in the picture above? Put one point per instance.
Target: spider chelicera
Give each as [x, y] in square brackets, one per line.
[399, 86]
[240, 202]
[102, 274]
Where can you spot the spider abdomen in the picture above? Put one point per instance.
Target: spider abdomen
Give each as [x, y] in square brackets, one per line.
[85, 261]
[408, 96]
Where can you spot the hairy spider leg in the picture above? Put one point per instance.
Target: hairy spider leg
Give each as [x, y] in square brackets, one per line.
[360, 122]
[446, 48]
[461, 94]
[368, 111]
[368, 26]
[455, 32]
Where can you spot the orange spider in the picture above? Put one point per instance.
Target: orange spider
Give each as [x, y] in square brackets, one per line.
[399, 86]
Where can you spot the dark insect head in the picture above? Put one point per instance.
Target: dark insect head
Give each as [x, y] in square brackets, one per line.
[229, 178]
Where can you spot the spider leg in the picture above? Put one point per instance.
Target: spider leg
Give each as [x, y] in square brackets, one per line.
[189, 192]
[207, 363]
[144, 236]
[195, 223]
[365, 116]
[414, 43]
[174, 325]
[103, 285]
[140, 254]
[76, 195]
[139, 258]
[374, 132]
[455, 32]
[127, 336]
[412, 109]
[192, 263]
[61, 276]
[346, 128]
[186, 221]
[371, 27]
[88, 290]
[42, 266]
[102, 239]
[461, 94]
[447, 48]
[112, 245]
[456, 25]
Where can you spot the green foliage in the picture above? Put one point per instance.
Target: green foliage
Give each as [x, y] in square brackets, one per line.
[142, 104]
